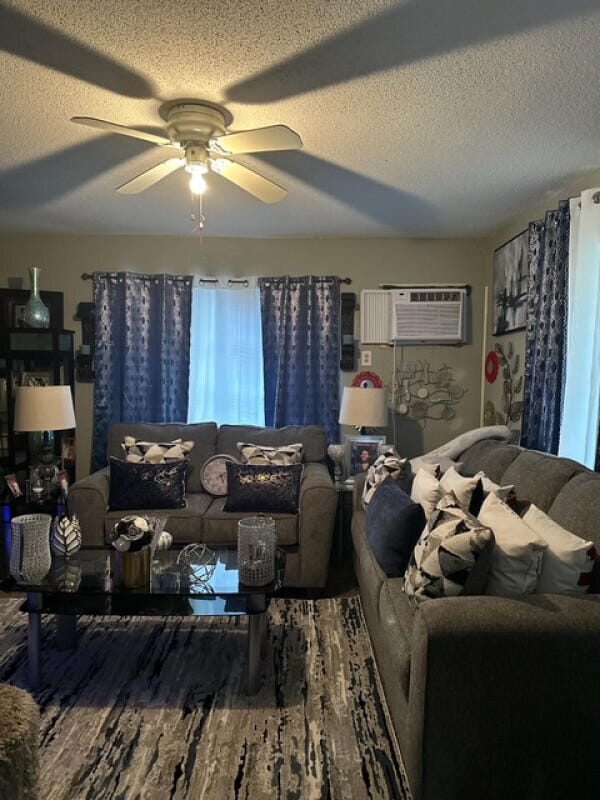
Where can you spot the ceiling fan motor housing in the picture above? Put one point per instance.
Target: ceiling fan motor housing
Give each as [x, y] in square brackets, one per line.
[194, 124]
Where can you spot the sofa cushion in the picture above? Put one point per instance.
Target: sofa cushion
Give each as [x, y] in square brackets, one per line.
[137, 450]
[313, 438]
[518, 554]
[568, 562]
[388, 464]
[257, 488]
[220, 526]
[393, 525]
[146, 485]
[575, 507]
[539, 477]
[368, 571]
[203, 434]
[427, 491]
[279, 456]
[452, 557]
[467, 490]
[489, 456]
[435, 466]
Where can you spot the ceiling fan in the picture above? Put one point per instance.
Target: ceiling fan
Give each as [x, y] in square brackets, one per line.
[199, 132]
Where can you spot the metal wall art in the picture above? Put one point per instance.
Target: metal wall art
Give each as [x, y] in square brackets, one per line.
[425, 393]
[508, 365]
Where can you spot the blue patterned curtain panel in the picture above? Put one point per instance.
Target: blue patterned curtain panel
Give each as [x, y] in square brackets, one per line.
[546, 332]
[142, 351]
[301, 346]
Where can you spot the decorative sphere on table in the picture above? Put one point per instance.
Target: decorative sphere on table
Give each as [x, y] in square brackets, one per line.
[65, 538]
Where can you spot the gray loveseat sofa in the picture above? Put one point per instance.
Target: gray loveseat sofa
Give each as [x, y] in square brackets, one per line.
[494, 698]
[306, 537]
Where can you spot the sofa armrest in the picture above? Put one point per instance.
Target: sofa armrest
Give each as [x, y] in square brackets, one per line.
[316, 523]
[504, 697]
[88, 498]
[357, 490]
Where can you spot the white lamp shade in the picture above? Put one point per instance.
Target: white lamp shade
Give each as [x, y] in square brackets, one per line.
[43, 408]
[363, 408]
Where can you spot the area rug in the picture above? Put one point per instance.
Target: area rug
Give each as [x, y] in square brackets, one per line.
[155, 708]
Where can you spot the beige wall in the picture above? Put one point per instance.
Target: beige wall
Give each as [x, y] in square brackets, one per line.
[536, 211]
[368, 262]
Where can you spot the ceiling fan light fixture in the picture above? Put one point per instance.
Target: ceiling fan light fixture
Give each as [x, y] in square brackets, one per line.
[197, 183]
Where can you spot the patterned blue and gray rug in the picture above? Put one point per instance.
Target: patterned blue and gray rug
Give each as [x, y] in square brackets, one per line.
[154, 709]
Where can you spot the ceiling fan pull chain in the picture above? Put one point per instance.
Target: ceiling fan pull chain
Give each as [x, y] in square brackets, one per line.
[198, 217]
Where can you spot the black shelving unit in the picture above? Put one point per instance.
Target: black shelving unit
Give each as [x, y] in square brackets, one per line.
[30, 356]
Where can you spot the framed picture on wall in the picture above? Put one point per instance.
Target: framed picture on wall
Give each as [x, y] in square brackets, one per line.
[361, 452]
[510, 285]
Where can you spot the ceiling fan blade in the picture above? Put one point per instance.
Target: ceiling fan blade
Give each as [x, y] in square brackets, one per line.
[262, 188]
[103, 125]
[151, 176]
[259, 140]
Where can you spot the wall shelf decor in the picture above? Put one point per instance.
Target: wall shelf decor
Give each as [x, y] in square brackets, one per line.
[30, 357]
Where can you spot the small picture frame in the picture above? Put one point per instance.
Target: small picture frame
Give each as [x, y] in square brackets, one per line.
[361, 452]
[36, 379]
[13, 485]
[511, 264]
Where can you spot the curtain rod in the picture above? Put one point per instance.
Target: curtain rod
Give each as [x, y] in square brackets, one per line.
[87, 276]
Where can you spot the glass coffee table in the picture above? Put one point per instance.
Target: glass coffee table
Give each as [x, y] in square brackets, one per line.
[180, 583]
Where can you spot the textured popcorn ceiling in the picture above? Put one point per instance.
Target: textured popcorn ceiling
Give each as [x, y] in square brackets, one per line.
[419, 118]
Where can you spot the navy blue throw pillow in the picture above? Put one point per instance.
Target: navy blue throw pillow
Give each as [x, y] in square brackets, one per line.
[393, 526]
[257, 487]
[152, 486]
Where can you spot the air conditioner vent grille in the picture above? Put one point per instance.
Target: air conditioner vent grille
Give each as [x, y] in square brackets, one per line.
[433, 320]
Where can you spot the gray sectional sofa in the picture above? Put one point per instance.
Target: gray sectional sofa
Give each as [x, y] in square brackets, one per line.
[494, 698]
[306, 537]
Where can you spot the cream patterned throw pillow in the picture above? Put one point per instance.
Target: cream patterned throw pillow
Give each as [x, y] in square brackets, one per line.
[519, 551]
[452, 557]
[386, 465]
[140, 452]
[285, 456]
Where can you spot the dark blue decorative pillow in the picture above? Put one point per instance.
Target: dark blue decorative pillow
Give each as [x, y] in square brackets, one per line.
[251, 487]
[148, 486]
[393, 526]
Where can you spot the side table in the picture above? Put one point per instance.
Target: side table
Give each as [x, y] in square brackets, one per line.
[344, 491]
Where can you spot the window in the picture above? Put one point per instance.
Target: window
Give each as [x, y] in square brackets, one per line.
[579, 428]
[226, 357]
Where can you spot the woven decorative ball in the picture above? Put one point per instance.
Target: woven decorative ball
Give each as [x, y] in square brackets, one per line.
[65, 539]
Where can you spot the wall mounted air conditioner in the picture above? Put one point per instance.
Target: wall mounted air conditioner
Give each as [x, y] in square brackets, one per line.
[428, 315]
[374, 316]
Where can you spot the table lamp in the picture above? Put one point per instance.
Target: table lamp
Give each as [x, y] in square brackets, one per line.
[363, 408]
[44, 409]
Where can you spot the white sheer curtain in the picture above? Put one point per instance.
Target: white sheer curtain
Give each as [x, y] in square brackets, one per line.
[581, 406]
[226, 358]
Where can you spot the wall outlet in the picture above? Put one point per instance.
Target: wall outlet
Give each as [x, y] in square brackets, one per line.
[365, 358]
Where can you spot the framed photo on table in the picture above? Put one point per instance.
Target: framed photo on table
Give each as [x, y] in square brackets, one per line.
[511, 267]
[361, 452]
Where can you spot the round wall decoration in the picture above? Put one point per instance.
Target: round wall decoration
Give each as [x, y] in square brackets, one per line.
[367, 380]
[492, 366]
[213, 474]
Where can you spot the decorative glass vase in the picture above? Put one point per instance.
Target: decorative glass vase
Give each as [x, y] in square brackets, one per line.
[30, 557]
[256, 550]
[36, 313]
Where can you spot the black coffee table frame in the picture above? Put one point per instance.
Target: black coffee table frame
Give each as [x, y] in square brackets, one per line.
[97, 595]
